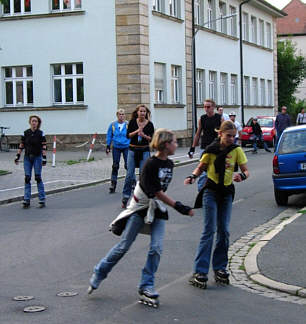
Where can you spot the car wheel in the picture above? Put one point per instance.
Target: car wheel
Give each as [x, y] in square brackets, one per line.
[281, 197]
[243, 143]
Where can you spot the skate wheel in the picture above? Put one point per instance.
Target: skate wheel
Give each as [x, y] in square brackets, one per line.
[90, 290]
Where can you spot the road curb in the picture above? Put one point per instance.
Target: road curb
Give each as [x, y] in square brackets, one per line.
[81, 185]
[253, 272]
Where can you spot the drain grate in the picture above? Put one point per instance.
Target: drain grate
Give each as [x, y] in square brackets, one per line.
[67, 294]
[23, 298]
[34, 309]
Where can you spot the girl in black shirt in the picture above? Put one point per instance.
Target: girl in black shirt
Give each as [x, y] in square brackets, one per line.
[34, 143]
[140, 132]
[154, 180]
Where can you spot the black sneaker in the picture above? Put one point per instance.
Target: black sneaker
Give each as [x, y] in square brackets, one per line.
[124, 202]
[42, 204]
[26, 204]
[267, 150]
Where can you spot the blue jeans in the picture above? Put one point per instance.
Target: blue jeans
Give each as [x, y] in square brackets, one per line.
[217, 214]
[30, 162]
[130, 175]
[260, 139]
[116, 161]
[133, 226]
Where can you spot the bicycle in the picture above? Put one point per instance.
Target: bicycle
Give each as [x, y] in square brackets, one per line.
[4, 142]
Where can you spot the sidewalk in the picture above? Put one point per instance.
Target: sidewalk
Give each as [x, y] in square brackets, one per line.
[71, 171]
[269, 263]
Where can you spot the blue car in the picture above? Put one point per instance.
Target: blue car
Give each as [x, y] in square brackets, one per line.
[289, 164]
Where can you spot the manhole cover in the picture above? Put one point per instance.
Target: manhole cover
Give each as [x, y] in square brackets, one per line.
[34, 309]
[67, 294]
[23, 298]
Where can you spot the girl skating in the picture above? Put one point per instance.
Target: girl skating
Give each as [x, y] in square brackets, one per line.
[146, 211]
[216, 198]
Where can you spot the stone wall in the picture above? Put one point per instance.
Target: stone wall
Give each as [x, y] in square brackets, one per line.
[133, 64]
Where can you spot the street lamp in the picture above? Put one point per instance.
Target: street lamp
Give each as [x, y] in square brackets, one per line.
[193, 54]
[241, 60]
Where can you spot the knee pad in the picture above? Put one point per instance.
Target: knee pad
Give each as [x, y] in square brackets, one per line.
[115, 167]
[27, 179]
[37, 178]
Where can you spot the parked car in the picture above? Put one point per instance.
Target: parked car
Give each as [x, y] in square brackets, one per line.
[267, 124]
[289, 164]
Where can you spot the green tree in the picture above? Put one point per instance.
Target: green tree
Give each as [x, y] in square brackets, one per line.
[291, 72]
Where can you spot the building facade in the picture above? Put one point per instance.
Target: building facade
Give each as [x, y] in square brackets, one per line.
[74, 62]
[293, 27]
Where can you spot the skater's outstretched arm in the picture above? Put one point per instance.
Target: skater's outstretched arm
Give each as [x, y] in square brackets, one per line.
[177, 205]
[195, 173]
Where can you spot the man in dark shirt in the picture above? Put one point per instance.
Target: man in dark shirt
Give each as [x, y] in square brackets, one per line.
[208, 124]
[282, 122]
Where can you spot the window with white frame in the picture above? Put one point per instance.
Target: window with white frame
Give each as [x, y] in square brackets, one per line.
[223, 22]
[223, 88]
[18, 84]
[159, 82]
[66, 4]
[234, 89]
[261, 32]
[246, 86]
[198, 12]
[211, 14]
[159, 5]
[233, 21]
[270, 96]
[213, 85]
[175, 84]
[254, 29]
[15, 7]
[255, 91]
[174, 8]
[263, 91]
[68, 83]
[200, 85]
[245, 25]
[269, 35]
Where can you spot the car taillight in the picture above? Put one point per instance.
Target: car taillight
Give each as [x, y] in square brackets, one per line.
[275, 165]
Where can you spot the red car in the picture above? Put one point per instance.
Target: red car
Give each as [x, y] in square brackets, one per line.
[267, 124]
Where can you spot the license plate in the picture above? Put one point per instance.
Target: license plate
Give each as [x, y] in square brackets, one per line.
[303, 166]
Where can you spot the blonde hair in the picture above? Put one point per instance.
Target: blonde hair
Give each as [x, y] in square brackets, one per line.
[120, 111]
[226, 126]
[160, 138]
[38, 119]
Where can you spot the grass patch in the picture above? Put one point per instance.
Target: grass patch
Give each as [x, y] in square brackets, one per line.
[284, 218]
[302, 211]
[251, 245]
[242, 267]
[4, 172]
[71, 162]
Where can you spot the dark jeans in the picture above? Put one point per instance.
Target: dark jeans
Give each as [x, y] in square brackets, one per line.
[30, 162]
[116, 161]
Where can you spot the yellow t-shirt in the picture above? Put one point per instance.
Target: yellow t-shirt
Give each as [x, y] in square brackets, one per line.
[236, 155]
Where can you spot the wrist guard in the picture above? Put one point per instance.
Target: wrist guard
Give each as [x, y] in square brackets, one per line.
[183, 209]
[191, 151]
[17, 157]
[44, 160]
[107, 149]
[243, 176]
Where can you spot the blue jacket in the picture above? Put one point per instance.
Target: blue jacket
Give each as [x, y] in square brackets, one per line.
[282, 122]
[118, 138]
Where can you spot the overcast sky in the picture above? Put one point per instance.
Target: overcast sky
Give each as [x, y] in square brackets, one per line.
[280, 4]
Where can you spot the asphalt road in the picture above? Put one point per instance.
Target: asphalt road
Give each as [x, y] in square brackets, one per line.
[44, 252]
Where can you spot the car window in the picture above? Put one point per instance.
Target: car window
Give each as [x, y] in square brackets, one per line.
[265, 122]
[293, 142]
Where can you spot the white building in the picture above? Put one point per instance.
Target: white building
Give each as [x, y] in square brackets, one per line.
[73, 62]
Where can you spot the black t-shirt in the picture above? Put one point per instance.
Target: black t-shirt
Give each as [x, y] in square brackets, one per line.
[156, 176]
[33, 142]
[209, 124]
[148, 130]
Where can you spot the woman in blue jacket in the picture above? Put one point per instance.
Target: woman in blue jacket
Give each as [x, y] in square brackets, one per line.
[116, 134]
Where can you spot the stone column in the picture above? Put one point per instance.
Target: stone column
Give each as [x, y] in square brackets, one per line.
[275, 67]
[133, 66]
[188, 55]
